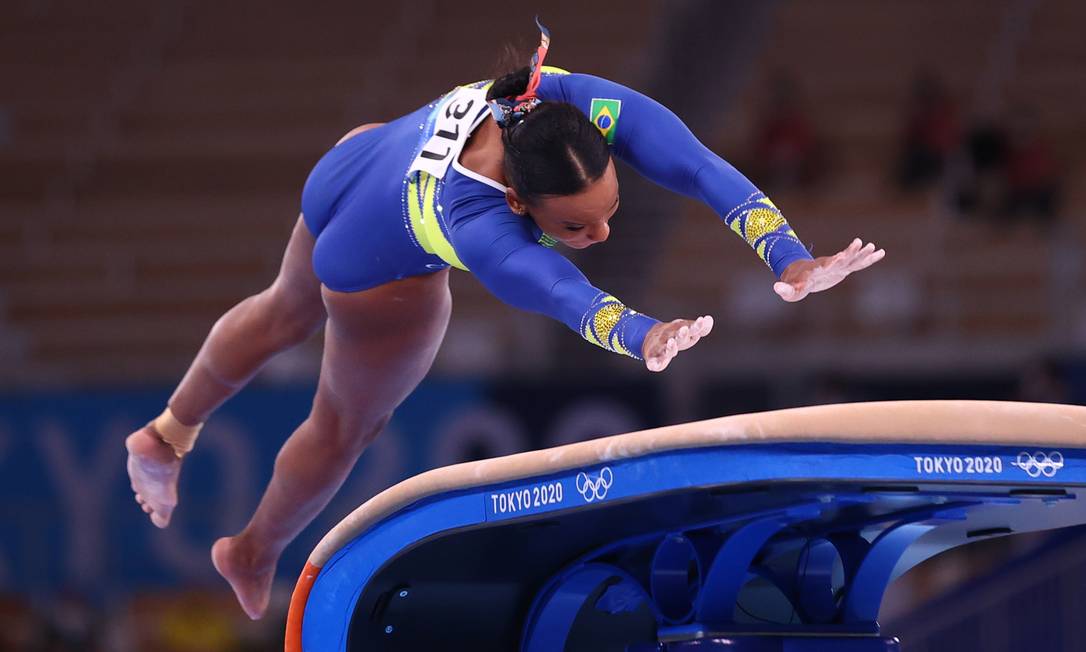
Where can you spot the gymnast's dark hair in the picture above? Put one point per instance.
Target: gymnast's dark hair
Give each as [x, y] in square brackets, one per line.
[553, 150]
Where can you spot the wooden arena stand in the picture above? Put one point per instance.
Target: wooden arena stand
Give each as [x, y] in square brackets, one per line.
[777, 531]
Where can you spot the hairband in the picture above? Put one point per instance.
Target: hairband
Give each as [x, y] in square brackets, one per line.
[509, 111]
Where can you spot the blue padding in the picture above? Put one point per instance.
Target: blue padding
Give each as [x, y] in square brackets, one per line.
[341, 582]
[732, 562]
[556, 615]
[333, 596]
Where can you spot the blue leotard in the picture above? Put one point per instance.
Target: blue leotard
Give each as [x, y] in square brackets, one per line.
[394, 202]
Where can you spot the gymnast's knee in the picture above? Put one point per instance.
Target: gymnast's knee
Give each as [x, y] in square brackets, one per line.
[289, 316]
[265, 323]
[345, 431]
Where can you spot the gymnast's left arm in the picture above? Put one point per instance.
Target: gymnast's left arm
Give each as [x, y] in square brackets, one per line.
[497, 247]
[656, 143]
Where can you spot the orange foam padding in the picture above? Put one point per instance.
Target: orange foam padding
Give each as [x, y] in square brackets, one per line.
[297, 607]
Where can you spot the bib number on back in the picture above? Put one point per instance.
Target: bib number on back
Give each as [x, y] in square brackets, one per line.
[455, 119]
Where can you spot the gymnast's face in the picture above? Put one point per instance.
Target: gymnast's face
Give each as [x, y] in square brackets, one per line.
[578, 220]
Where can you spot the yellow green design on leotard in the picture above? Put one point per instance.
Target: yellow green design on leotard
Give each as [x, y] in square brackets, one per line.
[600, 325]
[422, 210]
[424, 219]
[761, 224]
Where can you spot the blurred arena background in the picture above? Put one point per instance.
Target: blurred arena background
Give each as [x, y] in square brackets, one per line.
[152, 156]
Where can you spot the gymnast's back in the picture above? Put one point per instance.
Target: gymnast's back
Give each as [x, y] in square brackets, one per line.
[377, 201]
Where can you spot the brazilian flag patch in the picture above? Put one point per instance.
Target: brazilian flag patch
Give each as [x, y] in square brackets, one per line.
[604, 115]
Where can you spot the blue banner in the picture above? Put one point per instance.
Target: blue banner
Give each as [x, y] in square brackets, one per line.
[68, 519]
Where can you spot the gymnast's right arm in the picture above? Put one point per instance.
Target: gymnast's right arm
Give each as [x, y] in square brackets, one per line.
[498, 247]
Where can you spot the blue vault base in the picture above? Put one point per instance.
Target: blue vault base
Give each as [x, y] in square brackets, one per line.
[655, 565]
[749, 547]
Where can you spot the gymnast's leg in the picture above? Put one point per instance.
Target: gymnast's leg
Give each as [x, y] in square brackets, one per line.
[280, 317]
[239, 344]
[378, 345]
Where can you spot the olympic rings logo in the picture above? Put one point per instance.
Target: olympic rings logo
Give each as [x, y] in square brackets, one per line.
[1040, 463]
[595, 488]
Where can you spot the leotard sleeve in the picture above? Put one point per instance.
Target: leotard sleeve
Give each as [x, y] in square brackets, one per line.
[656, 143]
[500, 248]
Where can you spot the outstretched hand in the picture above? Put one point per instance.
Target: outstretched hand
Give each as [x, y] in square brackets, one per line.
[664, 340]
[806, 276]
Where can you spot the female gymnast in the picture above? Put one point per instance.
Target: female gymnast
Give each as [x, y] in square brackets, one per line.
[487, 178]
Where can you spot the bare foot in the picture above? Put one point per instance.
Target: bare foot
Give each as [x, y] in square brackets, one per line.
[251, 581]
[153, 469]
